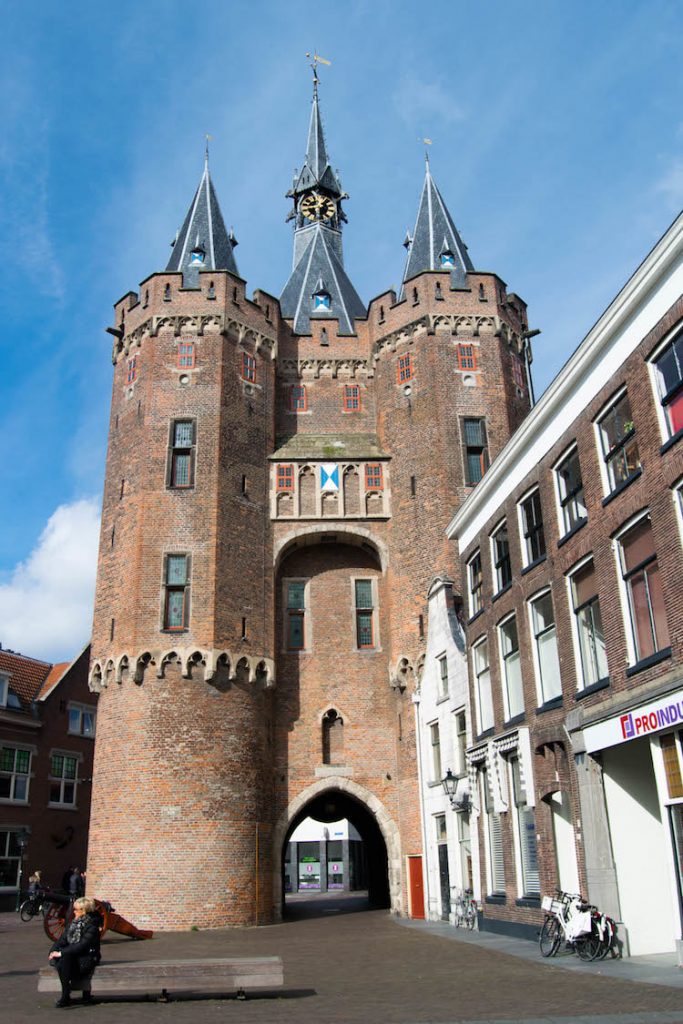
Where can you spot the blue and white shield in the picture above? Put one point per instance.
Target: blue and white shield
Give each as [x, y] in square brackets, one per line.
[329, 476]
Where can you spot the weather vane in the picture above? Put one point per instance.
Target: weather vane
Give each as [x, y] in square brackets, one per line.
[316, 59]
[206, 152]
[426, 142]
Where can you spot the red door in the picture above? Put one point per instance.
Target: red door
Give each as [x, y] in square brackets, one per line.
[416, 899]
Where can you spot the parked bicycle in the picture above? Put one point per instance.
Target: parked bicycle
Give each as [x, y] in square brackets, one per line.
[464, 909]
[32, 906]
[570, 918]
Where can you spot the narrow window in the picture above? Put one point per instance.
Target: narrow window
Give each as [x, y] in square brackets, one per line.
[619, 446]
[333, 738]
[177, 586]
[669, 375]
[15, 772]
[244, 628]
[182, 454]
[482, 675]
[570, 490]
[460, 743]
[244, 484]
[466, 357]
[588, 625]
[640, 573]
[186, 355]
[500, 550]
[518, 372]
[512, 667]
[123, 488]
[112, 628]
[373, 476]
[526, 832]
[482, 293]
[381, 314]
[435, 742]
[404, 368]
[297, 398]
[113, 536]
[413, 486]
[443, 676]
[10, 858]
[545, 647]
[248, 367]
[416, 297]
[167, 293]
[284, 480]
[421, 627]
[296, 610]
[475, 579]
[364, 614]
[476, 455]
[494, 829]
[132, 373]
[63, 780]
[533, 536]
[351, 399]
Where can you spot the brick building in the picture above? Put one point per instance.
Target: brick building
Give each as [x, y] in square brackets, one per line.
[47, 732]
[279, 479]
[571, 561]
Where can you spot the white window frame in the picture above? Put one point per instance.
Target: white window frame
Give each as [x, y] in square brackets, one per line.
[460, 747]
[376, 646]
[662, 418]
[576, 639]
[523, 540]
[477, 645]
[470, 579]
[443, 684]
[677, 494]
[64, 781]
[614, 399]
[435, 758]
[82, 709]
[560, 508]
[508, 711]
[11, 799]
[515, 809]
[4, 690]
[488, 809]
[497, 587]
[629, 625]
[540, 694]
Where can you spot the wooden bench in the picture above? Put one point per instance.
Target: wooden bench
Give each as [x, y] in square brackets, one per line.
[160, 977]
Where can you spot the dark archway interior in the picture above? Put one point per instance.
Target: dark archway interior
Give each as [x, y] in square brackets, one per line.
[333, 805]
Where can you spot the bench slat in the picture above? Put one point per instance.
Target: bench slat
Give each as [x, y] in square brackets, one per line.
[178, 975]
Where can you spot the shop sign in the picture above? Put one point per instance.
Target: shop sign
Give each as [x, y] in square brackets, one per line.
[643, 721]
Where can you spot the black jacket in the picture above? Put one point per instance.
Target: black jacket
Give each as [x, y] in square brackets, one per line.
[81, 938]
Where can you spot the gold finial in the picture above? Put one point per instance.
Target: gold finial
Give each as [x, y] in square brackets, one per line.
[316, 59]
[426, 142]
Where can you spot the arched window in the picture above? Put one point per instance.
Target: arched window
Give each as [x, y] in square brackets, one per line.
[333, 738]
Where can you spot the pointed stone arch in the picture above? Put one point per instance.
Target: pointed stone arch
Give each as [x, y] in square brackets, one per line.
[374, 807]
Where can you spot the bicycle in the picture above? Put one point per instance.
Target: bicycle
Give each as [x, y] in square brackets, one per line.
[569, 917]
[32, 906]
[465, 909]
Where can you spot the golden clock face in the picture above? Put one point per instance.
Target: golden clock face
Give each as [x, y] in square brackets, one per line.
[317, 207]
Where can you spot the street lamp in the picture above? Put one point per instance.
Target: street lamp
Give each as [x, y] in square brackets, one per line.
[450, 787]
[22, 843]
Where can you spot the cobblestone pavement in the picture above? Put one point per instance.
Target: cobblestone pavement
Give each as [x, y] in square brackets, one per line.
[347, 967]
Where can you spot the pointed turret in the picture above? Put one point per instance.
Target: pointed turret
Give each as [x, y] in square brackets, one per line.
[203, 242]
[318, 257]
[435, 243]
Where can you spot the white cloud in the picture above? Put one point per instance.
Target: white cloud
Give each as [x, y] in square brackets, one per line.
[46, 607]
[424, 103]
[671, 182]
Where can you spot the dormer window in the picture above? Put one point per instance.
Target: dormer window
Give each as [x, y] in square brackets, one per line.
[447, 259]
[322, 300]
[197, 256]
[4, 689]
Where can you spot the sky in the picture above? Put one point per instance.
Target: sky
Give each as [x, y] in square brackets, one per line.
[557, 136]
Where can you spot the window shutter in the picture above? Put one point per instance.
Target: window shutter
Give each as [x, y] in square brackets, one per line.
[497, 858]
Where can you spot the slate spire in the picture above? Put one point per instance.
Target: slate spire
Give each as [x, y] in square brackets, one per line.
[435, 243]
[317, 213]
[203, 242]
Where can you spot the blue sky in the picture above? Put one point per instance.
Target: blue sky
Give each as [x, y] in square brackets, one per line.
[558, 147]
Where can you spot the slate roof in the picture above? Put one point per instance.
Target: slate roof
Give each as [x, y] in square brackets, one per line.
[203, 227]
[434, 234]
[320, 265]
[316, 168]
[328, 447]
[26, 675]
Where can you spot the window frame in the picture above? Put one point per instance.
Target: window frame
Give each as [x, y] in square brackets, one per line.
[177, 452]
[519, 805]
[498, 564]
[82, 710]
[569, 499]
[531, 532]
[132, 369]
[16, 775]
[182, 357]
[351, 401]
[374, 476]
[544, 697]
[63, 780]
[626, 576]
[480, 451]
[460, 736]
[480, 673]
[467, 361]
[577, 610]
[665, 400]
[300, 613]
[405, 370]
[4, 689]
[284, 477]
[6, 855]
[248, 374]
[609, 455]
[171, 588]
[513, 656]
[298, 402]
[435, 760]
[365, 611]
[496, 884]
[444, 687]
[475, 590]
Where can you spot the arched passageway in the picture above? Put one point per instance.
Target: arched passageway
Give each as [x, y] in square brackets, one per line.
[332, 805]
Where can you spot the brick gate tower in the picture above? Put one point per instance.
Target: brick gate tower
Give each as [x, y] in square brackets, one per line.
[279, 477]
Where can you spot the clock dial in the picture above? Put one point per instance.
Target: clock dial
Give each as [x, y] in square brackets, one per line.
[317, 207]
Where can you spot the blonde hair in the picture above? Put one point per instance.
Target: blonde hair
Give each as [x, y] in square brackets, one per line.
[84, 904]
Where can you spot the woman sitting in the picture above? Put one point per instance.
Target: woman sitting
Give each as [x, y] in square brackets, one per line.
[76, 953]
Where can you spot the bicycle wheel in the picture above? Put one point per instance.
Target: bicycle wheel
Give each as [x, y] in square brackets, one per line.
[27, 910]
[470, 917]
[589, 946]
[549, 939]
[54, 921]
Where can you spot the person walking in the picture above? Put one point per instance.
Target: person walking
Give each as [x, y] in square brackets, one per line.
[76, 884]
[76, 953]
[66, 878]
[34, 884]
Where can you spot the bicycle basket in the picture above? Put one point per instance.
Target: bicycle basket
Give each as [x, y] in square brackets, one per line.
[550, 905]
